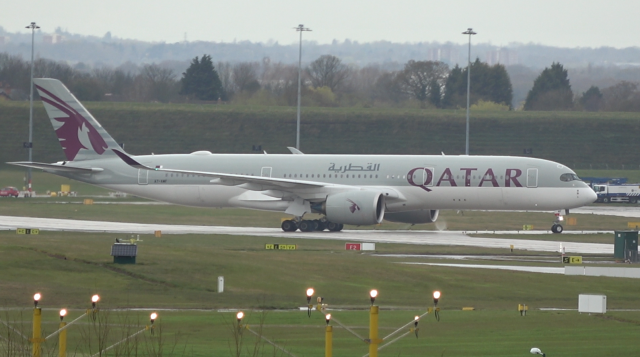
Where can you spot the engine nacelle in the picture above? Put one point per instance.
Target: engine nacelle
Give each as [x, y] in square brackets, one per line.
[355, 207]
[413, 217]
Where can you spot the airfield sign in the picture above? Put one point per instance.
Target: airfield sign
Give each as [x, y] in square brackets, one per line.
[572, 260]
[27, 231]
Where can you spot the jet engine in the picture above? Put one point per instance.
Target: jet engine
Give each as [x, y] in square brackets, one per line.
[413, 217]
[354, 207]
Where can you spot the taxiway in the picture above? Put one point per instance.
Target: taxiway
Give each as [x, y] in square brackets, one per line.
[422, 237]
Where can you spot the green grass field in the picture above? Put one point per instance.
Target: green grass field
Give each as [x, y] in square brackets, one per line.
[180, 272]
[178, 275]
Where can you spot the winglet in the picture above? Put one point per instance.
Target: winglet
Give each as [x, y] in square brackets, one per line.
[130, 161]
[294, 150]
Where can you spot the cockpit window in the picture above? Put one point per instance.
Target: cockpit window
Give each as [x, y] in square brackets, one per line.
[569, 177]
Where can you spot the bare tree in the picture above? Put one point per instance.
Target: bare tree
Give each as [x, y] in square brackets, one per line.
[225, 73]
[417, 78]
[328, 71]
[282, 80]
[245, 76]
[386, 88]
[14, 72]
[161, 83]
[53, 69]
[622, 97]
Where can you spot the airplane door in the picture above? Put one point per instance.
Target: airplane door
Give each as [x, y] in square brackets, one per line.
[143, 177]
[532, 177]
[422, 178]
[265, 172]
[428, 176]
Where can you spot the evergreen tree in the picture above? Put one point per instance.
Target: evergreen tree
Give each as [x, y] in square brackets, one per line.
[501, 89]
[453, 88]
[201, 80]
[591, 100]
[488, 83]
[551, 90]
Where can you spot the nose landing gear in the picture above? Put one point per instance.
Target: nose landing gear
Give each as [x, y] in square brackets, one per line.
[557, 224]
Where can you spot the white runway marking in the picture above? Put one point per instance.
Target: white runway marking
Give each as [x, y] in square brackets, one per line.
[632, 211]
[452, 238]
[546, 270]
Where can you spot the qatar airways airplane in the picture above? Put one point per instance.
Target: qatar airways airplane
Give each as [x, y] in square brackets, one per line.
[345, 189]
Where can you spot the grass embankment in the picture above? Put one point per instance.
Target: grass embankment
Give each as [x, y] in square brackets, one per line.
[576, 139]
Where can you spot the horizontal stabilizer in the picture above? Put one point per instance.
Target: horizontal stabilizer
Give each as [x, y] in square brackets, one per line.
[55, 167]
[131, 161]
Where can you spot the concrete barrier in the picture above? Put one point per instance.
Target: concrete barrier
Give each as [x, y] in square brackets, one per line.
[603, 271]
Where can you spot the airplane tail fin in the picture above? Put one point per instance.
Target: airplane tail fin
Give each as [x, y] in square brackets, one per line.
[79, 133]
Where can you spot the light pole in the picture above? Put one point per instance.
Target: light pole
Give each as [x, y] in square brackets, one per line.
[310, 292]
[62, 338]
[468, 32]
[37, 326]
[33, 28]
[373, 325]
[328, 337]
[300, 29]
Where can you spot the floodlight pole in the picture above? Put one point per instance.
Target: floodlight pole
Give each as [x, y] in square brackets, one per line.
[468, 32]
[33, 28]
[300, 29]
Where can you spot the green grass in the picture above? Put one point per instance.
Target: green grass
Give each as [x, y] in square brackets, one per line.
[475, 333]
[180, 272]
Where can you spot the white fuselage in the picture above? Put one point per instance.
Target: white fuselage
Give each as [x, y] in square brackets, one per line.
[409, 182]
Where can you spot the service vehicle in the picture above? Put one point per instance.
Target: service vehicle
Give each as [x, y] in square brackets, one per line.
[9, 191]
[629, 193]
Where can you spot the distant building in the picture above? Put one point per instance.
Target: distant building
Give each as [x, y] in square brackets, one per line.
[503, 56]
[52, 39]
[444, 54]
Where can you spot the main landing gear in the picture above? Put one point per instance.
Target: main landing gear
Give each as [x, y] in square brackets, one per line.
[307, 225]
[557, 224]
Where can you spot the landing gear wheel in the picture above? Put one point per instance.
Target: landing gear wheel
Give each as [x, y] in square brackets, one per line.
[307, 226]
[289, 226]
[557, 228]
[605, 200]
[633, 200]
[320, 225]
[334, 227]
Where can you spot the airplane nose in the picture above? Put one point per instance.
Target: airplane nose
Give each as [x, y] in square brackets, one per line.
[590, 196]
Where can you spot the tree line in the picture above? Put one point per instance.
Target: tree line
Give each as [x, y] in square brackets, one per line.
[326, 81]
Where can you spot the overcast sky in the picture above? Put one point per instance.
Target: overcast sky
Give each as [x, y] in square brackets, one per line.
[562, 23]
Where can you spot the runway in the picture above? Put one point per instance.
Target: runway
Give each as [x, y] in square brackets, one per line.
[451, 238]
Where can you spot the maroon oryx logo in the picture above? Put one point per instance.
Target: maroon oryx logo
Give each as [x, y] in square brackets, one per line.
[76, 132]
[354, 206]
[422, 182]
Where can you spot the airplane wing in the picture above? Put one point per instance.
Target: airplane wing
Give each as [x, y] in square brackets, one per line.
[55, 167]
[305, 189]
[228, 179]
